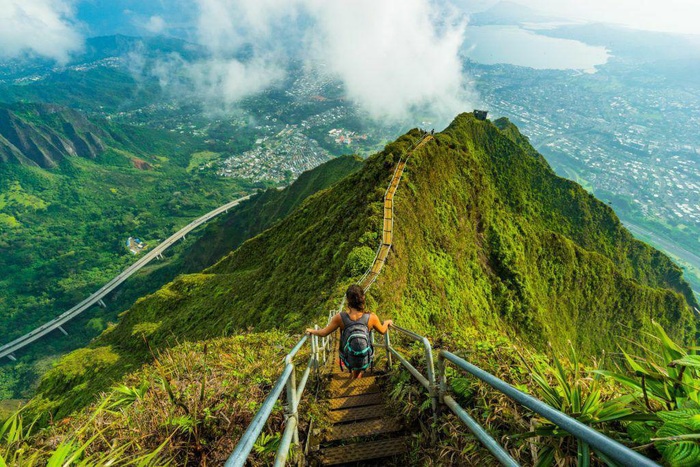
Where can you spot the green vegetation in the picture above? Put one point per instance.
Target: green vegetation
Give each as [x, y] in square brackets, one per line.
[491, 248]
[63, 230]
[187, 408]
[199, 251]
[649, 401]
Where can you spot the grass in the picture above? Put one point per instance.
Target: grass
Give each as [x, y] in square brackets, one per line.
[188, 407]
[200, 158]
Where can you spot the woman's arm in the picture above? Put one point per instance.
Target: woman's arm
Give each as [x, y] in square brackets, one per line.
[332, 326]
[375, 324]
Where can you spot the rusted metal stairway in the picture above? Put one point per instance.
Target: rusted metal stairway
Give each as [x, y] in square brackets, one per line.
[363, 428]
[388, 223]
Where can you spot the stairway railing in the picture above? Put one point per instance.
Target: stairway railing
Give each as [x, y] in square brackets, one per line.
[319, 351]
[438, 390]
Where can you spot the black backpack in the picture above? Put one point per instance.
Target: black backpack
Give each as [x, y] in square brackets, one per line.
[356, 349]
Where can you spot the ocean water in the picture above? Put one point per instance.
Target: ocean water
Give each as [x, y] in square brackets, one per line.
[522, 47]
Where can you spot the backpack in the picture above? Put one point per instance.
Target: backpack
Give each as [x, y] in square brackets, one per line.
[356, 349]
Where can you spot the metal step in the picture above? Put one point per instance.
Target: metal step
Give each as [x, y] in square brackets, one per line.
[355, 401]
[355, 391]
[356, 413]
[363, 428]
[347, 381]
[364, 451]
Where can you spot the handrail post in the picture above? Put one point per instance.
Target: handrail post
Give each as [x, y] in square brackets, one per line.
[442, 377]
[316, 350]
[387, 342]
[432, 390]
[292, 402]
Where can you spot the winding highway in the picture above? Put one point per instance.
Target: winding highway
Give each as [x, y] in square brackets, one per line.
[8, 349]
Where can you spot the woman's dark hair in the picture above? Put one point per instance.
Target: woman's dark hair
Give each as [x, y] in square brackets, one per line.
[356, 297]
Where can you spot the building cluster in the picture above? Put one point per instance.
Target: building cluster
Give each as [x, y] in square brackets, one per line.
[278, 158]
[639, 143]
[341, 136]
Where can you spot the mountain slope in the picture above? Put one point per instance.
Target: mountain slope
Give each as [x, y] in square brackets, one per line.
[487, 239]
[71, 192]
[200, 249]
[43, 135]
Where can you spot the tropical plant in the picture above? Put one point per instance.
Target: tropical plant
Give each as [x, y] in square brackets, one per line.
[665, 381]
[16, 448]
[572, 391]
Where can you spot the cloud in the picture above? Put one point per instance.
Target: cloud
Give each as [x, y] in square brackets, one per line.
[44, 28]
[219, 82]
[393, 57]
[244, 55]
[155, 25]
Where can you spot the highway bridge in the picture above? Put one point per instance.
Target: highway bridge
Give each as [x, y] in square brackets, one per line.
[8, 349]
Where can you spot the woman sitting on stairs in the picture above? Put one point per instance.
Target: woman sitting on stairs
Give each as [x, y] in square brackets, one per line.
[355, 324]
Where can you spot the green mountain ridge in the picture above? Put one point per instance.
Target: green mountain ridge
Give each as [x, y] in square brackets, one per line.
[43, 135]
[488, 240]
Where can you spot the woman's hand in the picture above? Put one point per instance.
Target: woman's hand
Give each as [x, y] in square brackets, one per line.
[310, 331]
[388, 323]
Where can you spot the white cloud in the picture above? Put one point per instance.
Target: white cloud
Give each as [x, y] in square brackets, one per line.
[219, 82]
[393, 56]
[43, 28]
[223, 78]
[155, 25]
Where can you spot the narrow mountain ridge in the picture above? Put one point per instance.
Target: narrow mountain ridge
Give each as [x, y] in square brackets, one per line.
[487, 239]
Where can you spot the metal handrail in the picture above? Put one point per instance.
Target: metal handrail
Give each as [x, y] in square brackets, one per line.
[611, 448]
[294, 392]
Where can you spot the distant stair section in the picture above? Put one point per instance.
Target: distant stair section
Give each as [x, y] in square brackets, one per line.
[388, 228]
[362, 426]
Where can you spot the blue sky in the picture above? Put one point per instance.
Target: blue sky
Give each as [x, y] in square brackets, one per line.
[132, 17]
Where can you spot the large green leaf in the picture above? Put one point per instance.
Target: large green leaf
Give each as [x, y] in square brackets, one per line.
[640, 432]
[688, 418]
[676, 451]
[682, 453]
[688, 360]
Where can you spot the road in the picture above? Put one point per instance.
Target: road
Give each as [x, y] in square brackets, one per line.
[11, 347]
[666, 245]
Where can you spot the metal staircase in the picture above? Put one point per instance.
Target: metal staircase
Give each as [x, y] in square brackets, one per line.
[362, 426]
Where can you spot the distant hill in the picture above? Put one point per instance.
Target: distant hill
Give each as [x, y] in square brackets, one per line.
[110, 75]
[509, 13]
[72, 190]
[43, 135]
[488, 240]
[631, 44]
